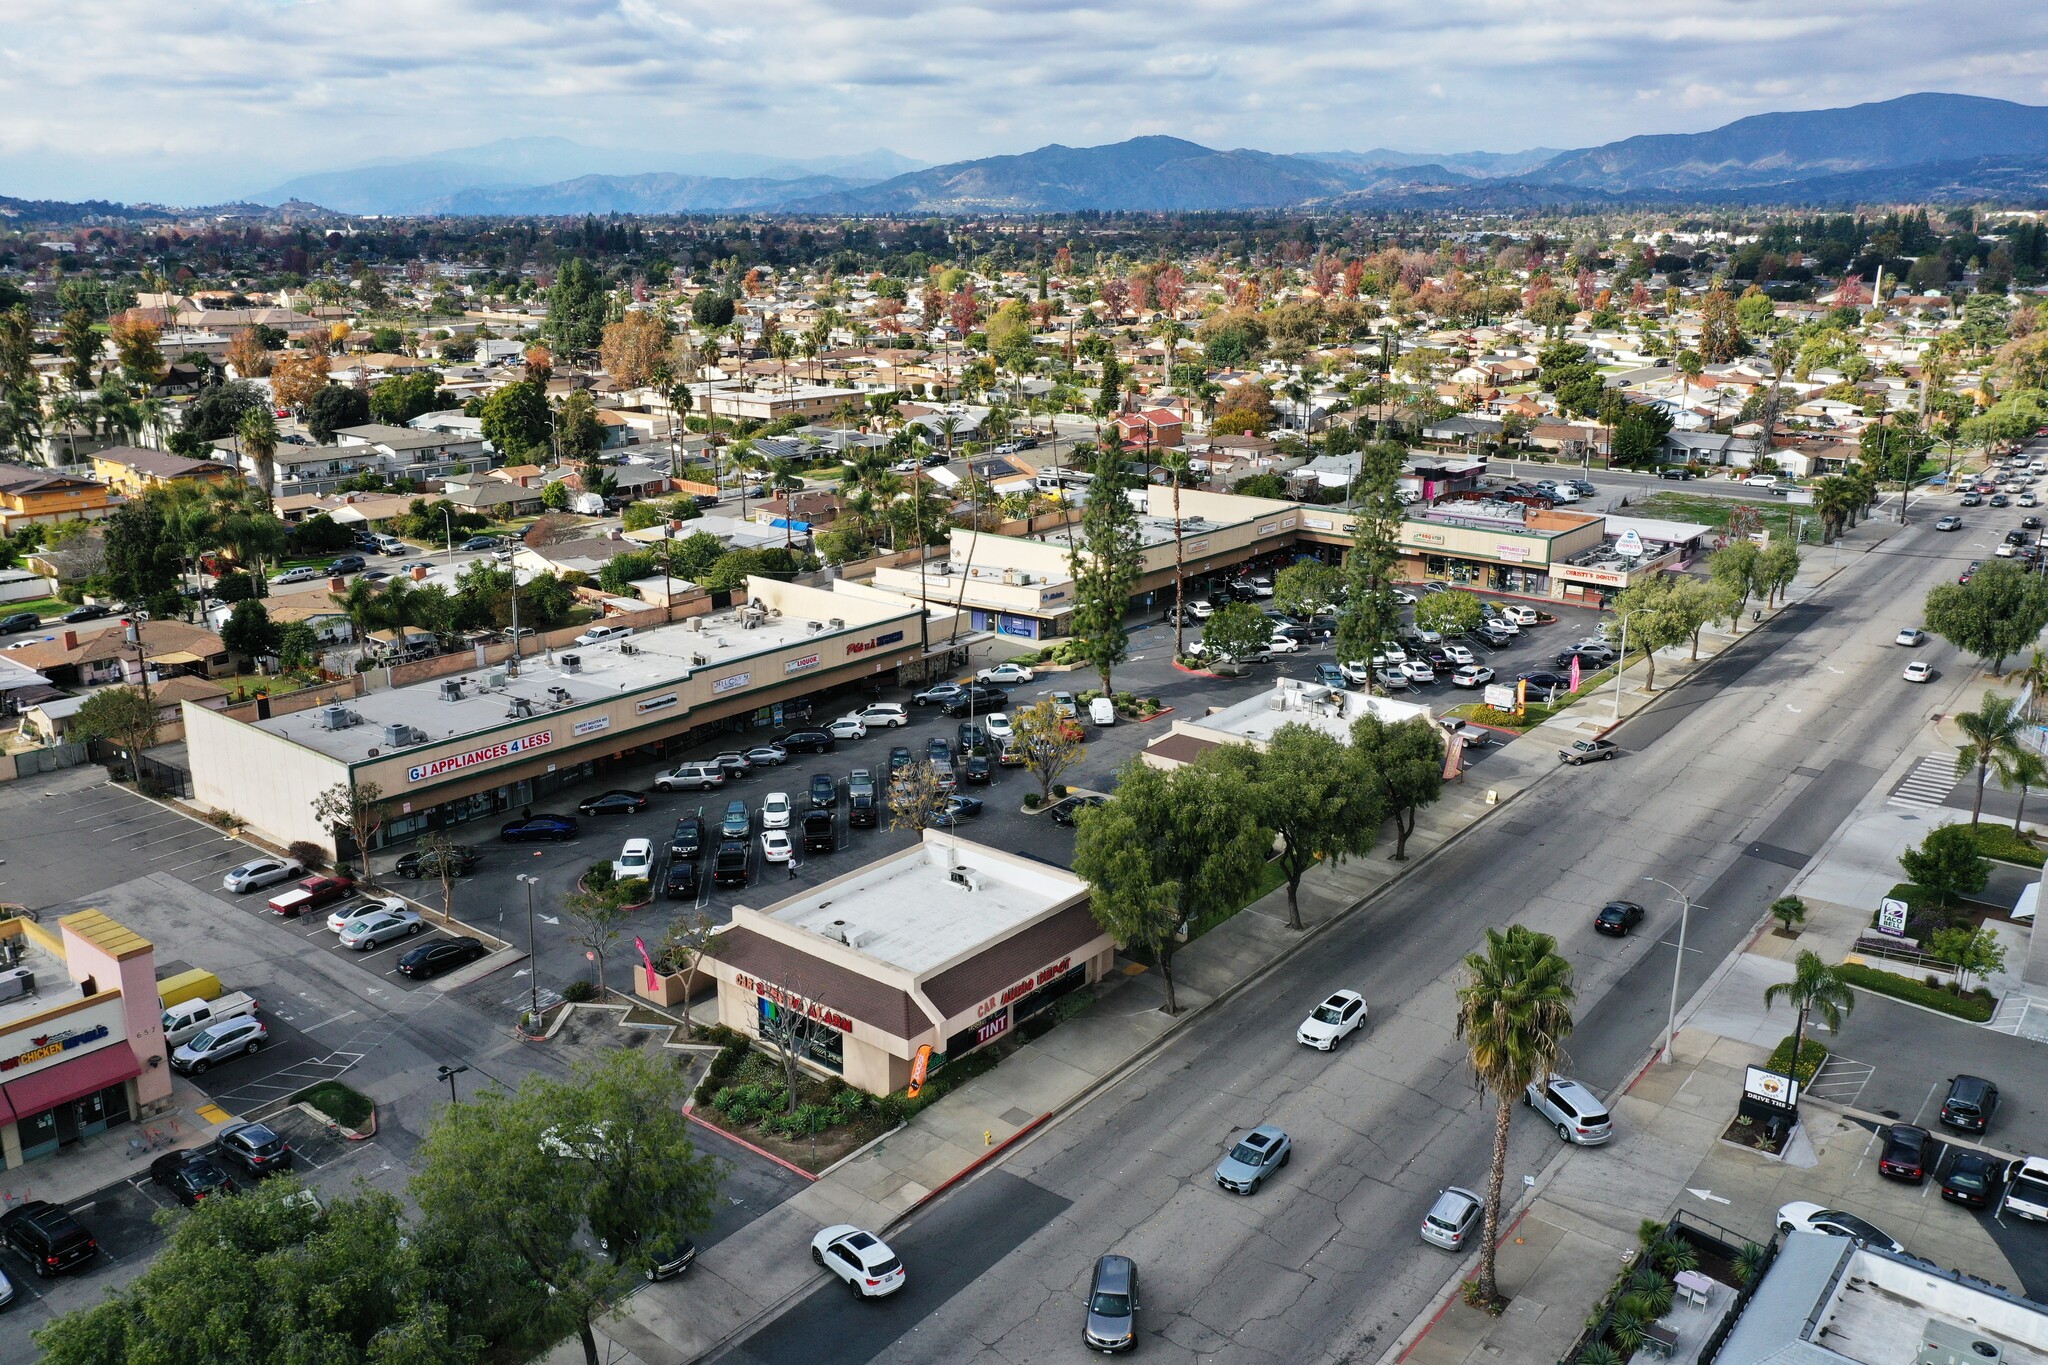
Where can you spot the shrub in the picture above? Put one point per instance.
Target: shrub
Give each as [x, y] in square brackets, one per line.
[1600, 1353]
[1810, 1057]
[598, 877]
[579, 991]
[1948, 864]
[1999, 841]
[1155, 703]
[1790, 912]
[1750, 1262]
[635, 890]
[1977, 1006]
[1059, 789]
[311, 855]
[1032, 801]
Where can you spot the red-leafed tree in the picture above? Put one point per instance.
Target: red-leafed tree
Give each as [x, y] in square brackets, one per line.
[1169, 286]
[1588, 290]
[1116, 296]
[963, 310]
[1354, 276]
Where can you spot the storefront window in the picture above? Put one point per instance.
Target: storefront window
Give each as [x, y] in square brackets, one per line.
[820, 1043]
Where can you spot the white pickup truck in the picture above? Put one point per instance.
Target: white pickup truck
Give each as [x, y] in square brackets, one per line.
[188, 1019]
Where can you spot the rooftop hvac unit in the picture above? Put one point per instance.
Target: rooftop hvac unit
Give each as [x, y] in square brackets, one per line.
[337, 717]
[698, 661]
[814, 626]
[694, 623]
[394, 735]
[1946, 1343]
[495, 680]
[451, 689]
[520, 709]
[943, 568]
[965, 877]
[572, 663]
[16, 983]
[839, 623]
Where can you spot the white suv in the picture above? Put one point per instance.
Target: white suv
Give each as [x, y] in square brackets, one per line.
[1576, 1112]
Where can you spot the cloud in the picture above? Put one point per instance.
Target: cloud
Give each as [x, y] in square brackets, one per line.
[187, 102]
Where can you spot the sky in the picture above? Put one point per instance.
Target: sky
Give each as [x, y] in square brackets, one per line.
[184, 102]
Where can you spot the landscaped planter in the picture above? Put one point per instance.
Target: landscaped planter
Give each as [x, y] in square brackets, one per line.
[668, 990]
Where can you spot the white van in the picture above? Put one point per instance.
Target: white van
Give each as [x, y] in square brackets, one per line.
[1102, 711]
[597, 634]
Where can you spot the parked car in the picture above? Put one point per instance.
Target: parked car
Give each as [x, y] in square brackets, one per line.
[618, 802]
[999, 727]
[1802, 1216]
[536, 828]
[254, 1147]
[775, 811]
[347, 564]
[1063, 702]
[775, 846]
[258, 873]
[1472, 675]
[1110, 1323]
[738, 822]
[191, 1176]
[824, 791]
[374, 931]
[807, 742]
[884, 715]
[861, 1260]
[1391, 677]
[1589, 751]
[1248, 1165]
[217, 1044]
[1904, 1156]
[899, 757]
[91, 611]
[374, 905]
[1617, 918]
[679, 881]
[940, 694]
[820, 832]
[955, 809]
[770, 755]
[311, 894]
[636, 859]
[1455, 1215]
[305, 573]
[1007, 674]
[977, 699]
[1574, 1111]
[1910, 636]
[1341, 1014]
[1971, 1102]
[481, 543]
[731, 864]
[977, 769]
[1066, 811]
[442, 955]
[49, 1238]
[938, 752]
[421, 863]
[696, 776]
[1974, 1179]
[848, 727]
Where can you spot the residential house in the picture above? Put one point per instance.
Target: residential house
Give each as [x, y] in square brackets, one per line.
[413, 453]
[133, 471]
[42, 497]
[1150, 429]
[170, 647]
[493, 498]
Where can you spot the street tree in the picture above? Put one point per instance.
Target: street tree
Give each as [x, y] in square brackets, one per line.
[355, 807]
[682, 950]
[1973, 950]
[1814, 989]
[787, 1025]
[1654, 616]
[1790, 912]
[1734, 567]
[441, 853]
[1049, 741]
[1998, 613]
[1700, 602]
[123, 716]
[2024, 769]
[249, 631]
[915, 796]
[1104, 560]
[1317, 796]
[1166, 849]
[1371, 612]
[1450, 613]
[598, 915]
[1408, 759]
[1947, 863]
[1990, 733]
[1514, 1013]
[1235, 631]
[1307, 589]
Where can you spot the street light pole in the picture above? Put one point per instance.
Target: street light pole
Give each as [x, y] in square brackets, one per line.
[532, 959]
[448, 1074]
[1684, 915]
[1622, 663]
[448, 520]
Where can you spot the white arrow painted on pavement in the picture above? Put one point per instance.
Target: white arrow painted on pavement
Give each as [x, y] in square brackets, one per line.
[549, 919]
[520, 972]
[1709, 1196]
[1793, 709]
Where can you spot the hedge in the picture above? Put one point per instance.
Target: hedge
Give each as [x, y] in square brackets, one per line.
[1977, 1006]
[1811, 1054]
[1999, 841]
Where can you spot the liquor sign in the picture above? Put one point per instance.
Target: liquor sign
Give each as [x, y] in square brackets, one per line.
[540, 739]
[799, 665]
[1891, 917]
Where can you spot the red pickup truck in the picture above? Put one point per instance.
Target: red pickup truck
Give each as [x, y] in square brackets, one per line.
[311, 894]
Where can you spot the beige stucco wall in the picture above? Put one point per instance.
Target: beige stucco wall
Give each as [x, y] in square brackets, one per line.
[267, 780]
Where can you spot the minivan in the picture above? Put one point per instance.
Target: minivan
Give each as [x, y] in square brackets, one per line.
[1971, 1102]
[1111, 1322]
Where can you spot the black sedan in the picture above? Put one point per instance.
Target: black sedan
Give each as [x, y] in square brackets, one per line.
[442, 955]
[481, 543]
[88, 612]
[1589, 751]
[938, 753]
[1063, 812]
[977, 769]
[425, 862]
[536, 828]
[824, 792]
[1618, 917]
[1905, 1153]
[899, 757]
[191, 1175]
[807, 742]
[1973, 1179]
[619, 802]
[1543, 680]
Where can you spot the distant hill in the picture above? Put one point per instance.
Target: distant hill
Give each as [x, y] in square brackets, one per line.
[2016, 181]
[59, 212]
[659, 193]
[1436, 187]
[1157, 174]
[1776, 149]
[1479, 165]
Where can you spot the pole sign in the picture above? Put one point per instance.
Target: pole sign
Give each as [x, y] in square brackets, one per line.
[1891, 917]
[1772, 1088]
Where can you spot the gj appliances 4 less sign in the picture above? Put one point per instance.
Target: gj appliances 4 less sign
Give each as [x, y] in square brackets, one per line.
[524, 744]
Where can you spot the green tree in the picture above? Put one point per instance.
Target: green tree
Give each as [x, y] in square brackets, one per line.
[121, 715]
[1307, 589]
[578, 433]
[1371, 611]
[1049, 741]
[2024, 769]
[1948, 863]
[1165, 850]
[355, 807]
[1514, 1013]
[1656, 616]
[1316, 794]
[80, 346]
[1813, 989]
[1408, 758]
[335, 407]
[516, 420]
[1235, 632]
[1449, 613]
[1999, 612]
[576, 308]
[250, 632]
[1776, 567]
[257, 432]
[511, 1180]
[1990, 733]
[1971, 950]
[1104, 560]
[1637, 439]
[298, 646]
[284, 1282]
[1790, 912]
[401, 398]
[1734, 567]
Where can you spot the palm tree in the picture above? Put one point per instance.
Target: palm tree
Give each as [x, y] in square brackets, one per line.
[21, 419]
[1833, 500]
[1514, 1013]
[258, 433]
[1177, 466]
[2021, 768]
[1991, 731]
[68, 410]
[2034, 677]
[1813, 989]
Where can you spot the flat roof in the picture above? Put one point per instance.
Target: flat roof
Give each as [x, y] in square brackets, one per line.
[660, 655]
[54, 986]
[1156, 530]
[1652, 528]
[1295, 702]
[907, 911]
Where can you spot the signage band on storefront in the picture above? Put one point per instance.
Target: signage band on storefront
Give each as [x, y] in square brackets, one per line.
[1044, 977]
[49, 1045]
[503, 749]
[810, 1009]
[660, 703]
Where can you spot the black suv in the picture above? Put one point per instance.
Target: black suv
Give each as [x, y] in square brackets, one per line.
[819, 834]
[1971, 1102]
[679, 883]
[808, 742]
[687, 843]
[348, 564]
[732, 862]
[426, 862]
[976, 699]
[50, 1238]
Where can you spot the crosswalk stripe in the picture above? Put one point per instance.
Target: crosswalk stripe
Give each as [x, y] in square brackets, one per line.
[1927, 784]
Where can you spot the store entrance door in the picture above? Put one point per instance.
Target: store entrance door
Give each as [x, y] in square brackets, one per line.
[91, 1114]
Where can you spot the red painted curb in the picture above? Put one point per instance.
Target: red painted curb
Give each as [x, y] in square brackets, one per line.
[757, 1151]
[1194, 672]
[1162, 711]
[354, 1136]
[990, 1155]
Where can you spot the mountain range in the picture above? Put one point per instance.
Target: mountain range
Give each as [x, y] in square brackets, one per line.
[1923, 147]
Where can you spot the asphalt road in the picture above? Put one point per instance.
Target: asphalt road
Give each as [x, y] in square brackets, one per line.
[1726, 788]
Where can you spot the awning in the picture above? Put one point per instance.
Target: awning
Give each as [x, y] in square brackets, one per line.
[70, 1080]
[176, 656]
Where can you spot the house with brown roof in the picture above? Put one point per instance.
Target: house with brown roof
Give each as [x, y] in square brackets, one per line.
[29, 495]
[171, 648]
